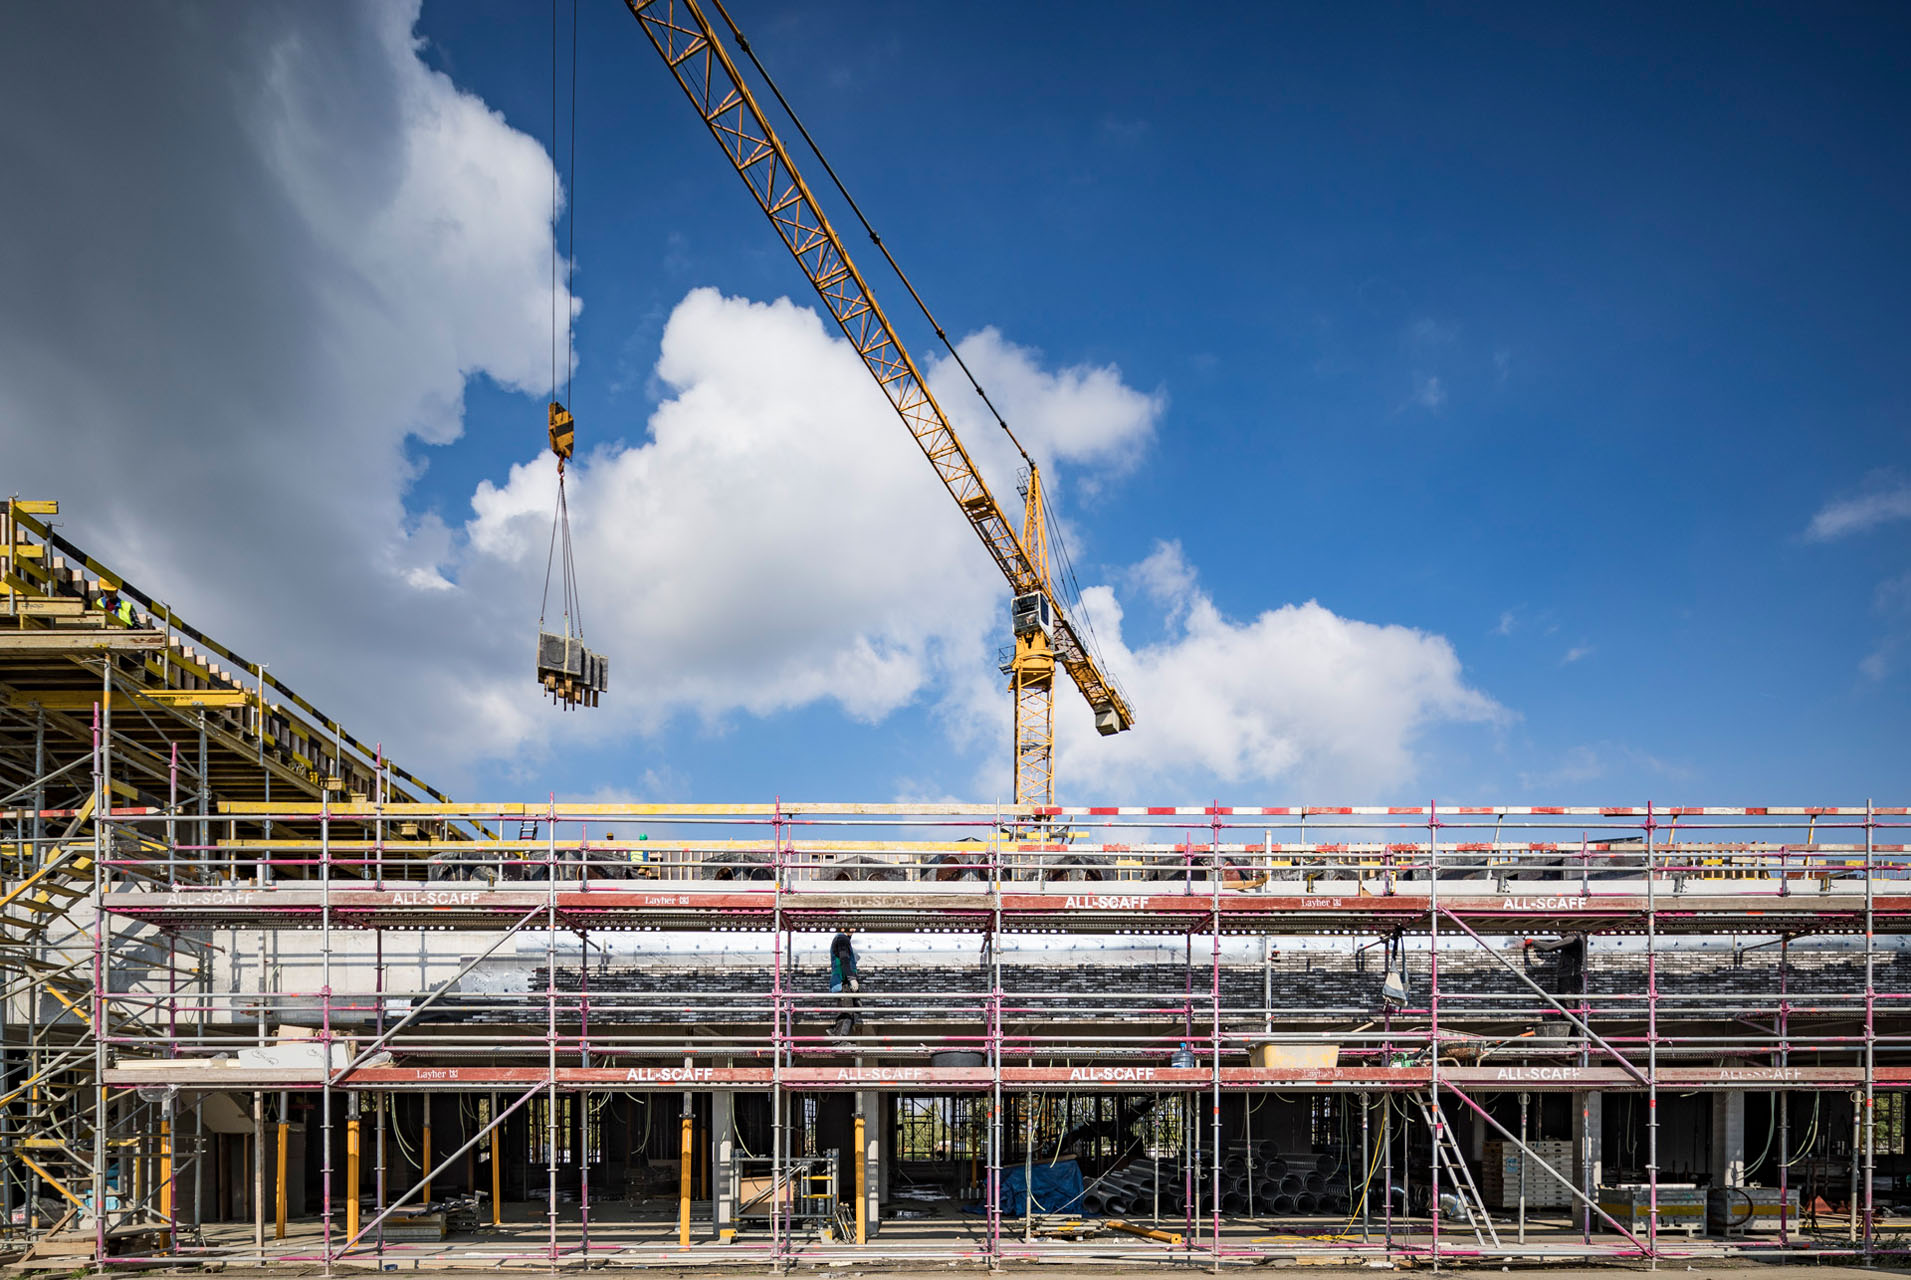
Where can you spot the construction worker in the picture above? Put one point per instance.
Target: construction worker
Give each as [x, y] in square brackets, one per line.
[117, 606]
[843, 978]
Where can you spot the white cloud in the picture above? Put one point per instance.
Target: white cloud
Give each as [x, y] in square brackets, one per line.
[1298, 697]
[1165, 576]
[1082, 414]
[1892, 600]
[269, 247]
[1509, 621]
[1428, 392]
[1579, 765]
[1886, 498]
[778, 541]
[1595, 762]
[253, 253]
[1575, 654]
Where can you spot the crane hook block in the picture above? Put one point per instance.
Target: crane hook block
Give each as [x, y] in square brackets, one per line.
[563, 432]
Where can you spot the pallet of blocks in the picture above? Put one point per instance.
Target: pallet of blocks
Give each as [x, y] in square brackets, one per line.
[1500, 1177]
[1736, 1211]
[1681, 1206]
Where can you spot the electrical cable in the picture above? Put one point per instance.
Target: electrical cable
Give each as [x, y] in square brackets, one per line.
[1771, 1131]
[399, 1135]
[1811, 1134]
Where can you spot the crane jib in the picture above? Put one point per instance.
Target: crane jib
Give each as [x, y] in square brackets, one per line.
[690, 48]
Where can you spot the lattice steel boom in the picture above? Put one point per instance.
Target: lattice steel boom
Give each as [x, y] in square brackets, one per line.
[689, 46]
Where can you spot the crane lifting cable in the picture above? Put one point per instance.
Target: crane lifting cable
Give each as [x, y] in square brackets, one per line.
[570, 673]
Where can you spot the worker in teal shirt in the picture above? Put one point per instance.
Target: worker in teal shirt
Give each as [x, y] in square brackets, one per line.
[843, 978]
[842, 963]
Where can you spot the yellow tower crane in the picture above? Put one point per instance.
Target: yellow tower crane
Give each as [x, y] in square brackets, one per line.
[1044, 636]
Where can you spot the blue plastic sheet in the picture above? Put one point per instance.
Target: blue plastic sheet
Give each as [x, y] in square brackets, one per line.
[1057, 1187]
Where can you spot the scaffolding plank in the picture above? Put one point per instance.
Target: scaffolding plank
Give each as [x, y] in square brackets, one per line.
[18, 643]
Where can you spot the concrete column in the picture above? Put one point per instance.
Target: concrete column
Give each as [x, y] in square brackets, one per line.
[1478, 1143]
[1728, 1139]
[885, 1141]
[1589, 1116]
[876, 1168]
[723, 1182]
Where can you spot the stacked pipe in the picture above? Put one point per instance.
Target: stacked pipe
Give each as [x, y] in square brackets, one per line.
[1131, 1190]
[1259, 1178]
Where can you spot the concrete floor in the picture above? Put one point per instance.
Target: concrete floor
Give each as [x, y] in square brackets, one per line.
[946, 1239]
[1744, 1270]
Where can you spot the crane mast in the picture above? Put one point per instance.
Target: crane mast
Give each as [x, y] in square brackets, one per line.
[1044, 636]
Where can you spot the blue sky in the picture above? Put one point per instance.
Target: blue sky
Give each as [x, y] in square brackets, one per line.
[1527, 342]
[1544, 331]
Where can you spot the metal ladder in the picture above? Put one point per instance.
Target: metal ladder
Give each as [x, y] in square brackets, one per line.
[1446, 1149]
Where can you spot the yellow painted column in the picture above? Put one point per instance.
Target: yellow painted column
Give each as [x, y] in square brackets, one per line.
[425, 1160]
[166, 1168]
[285, 1142]
[862, 1181]
[683, 1187]
[351, 1175]
[497, 1168]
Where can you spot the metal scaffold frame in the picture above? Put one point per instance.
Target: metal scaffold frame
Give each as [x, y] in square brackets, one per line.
[207, 887]
[1432, 881]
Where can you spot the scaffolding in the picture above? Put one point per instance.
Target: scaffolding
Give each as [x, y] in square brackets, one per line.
[1425, 886]
[270, 999]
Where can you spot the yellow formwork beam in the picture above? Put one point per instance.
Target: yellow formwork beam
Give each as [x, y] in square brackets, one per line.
[628, 812]
[413, 846]
[51, 1181]
[78, 700]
